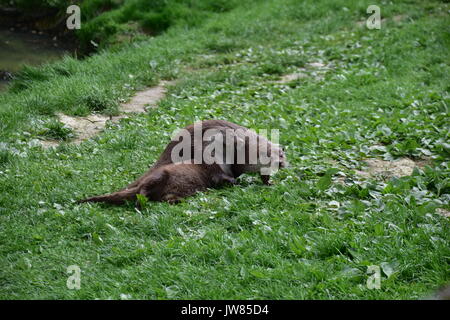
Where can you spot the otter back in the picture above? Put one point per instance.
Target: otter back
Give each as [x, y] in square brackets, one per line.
[249, 138]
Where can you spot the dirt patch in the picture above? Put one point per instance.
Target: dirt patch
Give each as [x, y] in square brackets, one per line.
[318, 65]
[46, 144]
[443, 212]
[397, 19]
[146, 98]
[292, 77]
[87, 127]
[313, 69]
[388, 169]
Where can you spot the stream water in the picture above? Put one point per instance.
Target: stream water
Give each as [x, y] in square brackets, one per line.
[32, 48]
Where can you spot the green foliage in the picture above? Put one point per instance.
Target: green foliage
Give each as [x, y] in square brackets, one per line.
[5, 157]
[152, 17]
[98, 101]
[312, 234]
[143, 201]
[27, 76]
[56, 130]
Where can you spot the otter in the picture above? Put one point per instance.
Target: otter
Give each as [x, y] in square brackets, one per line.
[170, 183]
[242, 134]
[212, 175]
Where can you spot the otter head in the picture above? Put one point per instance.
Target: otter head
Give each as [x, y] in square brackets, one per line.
[277, 158]
[283, 162]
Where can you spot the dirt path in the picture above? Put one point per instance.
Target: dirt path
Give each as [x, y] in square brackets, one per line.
[89, 126]
[387, 169]
[315, 70]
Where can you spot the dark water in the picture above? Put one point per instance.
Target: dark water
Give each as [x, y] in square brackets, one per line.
[18, 48]
[3, 85]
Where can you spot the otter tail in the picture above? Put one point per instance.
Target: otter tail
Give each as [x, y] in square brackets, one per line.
[119, 197]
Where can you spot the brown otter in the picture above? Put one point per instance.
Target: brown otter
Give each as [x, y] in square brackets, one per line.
[235, 169]
[241, 142]
[170, 183]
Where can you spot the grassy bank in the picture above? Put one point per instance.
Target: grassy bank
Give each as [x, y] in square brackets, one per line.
[108, 23]
[363, 94]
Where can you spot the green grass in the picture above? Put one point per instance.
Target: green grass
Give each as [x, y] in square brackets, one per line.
[309, 236]
[114, 22]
